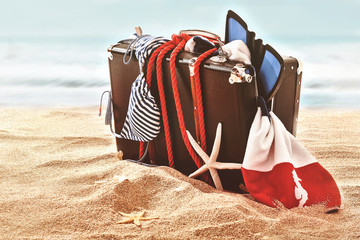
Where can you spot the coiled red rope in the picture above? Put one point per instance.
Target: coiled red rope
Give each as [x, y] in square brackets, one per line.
[179, 111]
[176, 44]
[199, 100]
[184, 38]
[163, 103]
[149, 71]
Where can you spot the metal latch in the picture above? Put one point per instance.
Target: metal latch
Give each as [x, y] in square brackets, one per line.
[191, 66]
[242, 73]
[221, 57]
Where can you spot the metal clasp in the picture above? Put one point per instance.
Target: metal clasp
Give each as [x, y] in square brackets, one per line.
[192, 65]
[222, 57]
[242, 73]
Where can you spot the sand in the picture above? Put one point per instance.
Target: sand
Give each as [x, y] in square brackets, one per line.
[60, 179]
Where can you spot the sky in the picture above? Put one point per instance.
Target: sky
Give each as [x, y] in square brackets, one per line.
[276, 20]
[63, 42]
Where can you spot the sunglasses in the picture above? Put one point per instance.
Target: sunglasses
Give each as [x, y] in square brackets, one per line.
[266, 61]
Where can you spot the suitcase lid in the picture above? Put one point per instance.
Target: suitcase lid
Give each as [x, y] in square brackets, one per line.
[266, 60]
[183, 57]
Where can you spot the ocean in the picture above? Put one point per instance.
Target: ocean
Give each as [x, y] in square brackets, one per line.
[53, 72]
[54, 53]
[73, 71]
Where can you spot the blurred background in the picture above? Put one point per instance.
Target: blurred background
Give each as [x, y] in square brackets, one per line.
[54, 53]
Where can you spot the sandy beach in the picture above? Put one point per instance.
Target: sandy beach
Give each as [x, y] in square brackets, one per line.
[60, 179]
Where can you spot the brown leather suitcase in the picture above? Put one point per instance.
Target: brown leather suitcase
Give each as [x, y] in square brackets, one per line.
[234, 105]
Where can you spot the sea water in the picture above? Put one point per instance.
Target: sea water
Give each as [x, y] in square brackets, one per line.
[53, 72]
[331, 72]
[74, 71]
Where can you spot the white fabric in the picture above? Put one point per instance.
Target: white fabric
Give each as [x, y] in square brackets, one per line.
[237, 51]
[189, 46]
[269, 144]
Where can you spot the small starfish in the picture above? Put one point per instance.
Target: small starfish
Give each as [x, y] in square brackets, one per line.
[210, 162]
[135, 218]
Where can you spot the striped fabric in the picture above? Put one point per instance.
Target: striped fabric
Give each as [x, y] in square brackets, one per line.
[145, 46]
[142, 121]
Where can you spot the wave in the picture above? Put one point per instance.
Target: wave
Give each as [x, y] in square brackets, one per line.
[49, 96]
[32, 69]
[53, 74]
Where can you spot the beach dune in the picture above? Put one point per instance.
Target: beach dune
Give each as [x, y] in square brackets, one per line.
[60, 179]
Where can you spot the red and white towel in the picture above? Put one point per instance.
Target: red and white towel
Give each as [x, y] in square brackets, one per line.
[277, 168]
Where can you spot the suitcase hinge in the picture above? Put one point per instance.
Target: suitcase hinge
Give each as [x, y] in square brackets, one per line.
[300, 67]
[110, 56]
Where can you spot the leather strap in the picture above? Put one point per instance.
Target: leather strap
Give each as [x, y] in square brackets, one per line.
[194, 99]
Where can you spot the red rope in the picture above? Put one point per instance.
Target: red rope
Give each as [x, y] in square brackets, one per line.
[178, 42]
[152, 61]
[179, 111]
[149, 71]
[199, 100]
[141, 149]
[184, 38]
[168, 48]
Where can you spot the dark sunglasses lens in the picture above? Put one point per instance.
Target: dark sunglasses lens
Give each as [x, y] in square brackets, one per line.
[269, 72]
[236, 31]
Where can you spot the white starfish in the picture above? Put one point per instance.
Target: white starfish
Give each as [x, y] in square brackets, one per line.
[210, 162]
[135, 218]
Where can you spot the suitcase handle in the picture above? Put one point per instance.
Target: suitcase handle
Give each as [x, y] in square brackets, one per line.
[109, 113]
[130, 48]
[196, 32]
